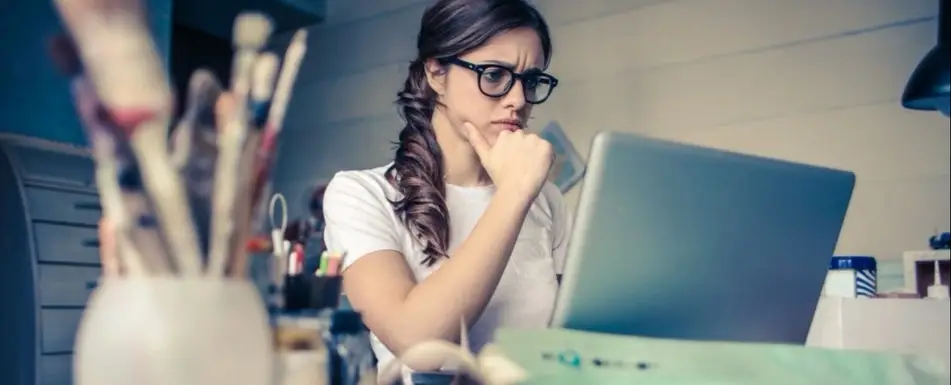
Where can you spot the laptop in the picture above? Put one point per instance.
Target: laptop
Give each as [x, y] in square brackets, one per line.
[684, 242]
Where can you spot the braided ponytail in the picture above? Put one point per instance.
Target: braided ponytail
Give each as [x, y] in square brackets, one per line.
[417, 171]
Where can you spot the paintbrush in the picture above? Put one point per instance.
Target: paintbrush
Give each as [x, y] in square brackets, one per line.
[251, 32]
[102, 144]
[195, 149]
[139, 249]
[263, 76]
[203, 92]
[115, 43]
[285, 82]
[262, 85]
[275, 117]
[115, 46]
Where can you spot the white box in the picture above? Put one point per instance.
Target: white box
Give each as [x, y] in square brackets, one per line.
[908, 326]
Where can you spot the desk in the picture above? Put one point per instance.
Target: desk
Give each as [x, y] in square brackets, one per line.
[912, 326]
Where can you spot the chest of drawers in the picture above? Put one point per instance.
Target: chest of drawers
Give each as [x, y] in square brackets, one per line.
[49, 259]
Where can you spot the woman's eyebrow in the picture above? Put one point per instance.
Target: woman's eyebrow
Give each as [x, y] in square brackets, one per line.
[511, 65]
[502, 63]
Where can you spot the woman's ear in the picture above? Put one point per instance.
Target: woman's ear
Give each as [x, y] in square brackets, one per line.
[436, 76]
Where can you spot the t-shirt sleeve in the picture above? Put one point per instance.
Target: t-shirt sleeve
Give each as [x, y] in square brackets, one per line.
[561, 229]
[357, 218]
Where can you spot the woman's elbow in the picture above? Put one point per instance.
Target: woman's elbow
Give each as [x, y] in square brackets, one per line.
[400, 345]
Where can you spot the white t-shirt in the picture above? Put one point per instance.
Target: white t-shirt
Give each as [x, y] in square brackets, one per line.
[360, 220]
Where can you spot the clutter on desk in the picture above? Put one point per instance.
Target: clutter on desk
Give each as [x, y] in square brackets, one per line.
[851, 277]
[302, 353]
[940, 241]
[938, 289]
[316, 339]
[924, 269]
[926, 274]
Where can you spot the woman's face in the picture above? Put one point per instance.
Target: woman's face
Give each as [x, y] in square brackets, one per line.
[519, 50]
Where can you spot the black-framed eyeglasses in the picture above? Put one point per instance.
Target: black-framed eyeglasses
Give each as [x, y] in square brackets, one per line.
[496, 80]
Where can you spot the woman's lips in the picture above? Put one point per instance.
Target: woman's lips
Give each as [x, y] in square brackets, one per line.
[510, 125]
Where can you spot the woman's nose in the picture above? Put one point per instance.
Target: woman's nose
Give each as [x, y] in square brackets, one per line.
[515, 97]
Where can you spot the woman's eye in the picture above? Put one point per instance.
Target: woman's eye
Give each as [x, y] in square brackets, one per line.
[531, 83]
[494, 75]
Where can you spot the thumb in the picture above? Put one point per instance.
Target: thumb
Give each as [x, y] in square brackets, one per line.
[478, 141]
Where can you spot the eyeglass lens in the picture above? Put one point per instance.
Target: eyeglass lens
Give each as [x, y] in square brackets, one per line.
[497, 81]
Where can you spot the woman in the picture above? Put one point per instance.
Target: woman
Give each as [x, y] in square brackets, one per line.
[462, 224]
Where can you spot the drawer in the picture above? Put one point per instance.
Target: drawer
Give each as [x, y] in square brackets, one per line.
[52, 166]
[61, 206]
[59, 328]
[63, 243]
[66, 285]
[56, 369]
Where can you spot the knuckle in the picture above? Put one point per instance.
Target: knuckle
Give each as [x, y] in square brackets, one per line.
[547, 148]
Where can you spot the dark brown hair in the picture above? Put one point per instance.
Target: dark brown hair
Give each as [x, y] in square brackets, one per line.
[449, 28]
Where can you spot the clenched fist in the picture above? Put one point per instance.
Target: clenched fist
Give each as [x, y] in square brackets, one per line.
[518, 162]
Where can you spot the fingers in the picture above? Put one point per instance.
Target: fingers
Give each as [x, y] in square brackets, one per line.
[107, 249]
[478, 141]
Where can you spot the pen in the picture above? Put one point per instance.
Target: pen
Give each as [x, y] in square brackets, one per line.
[333, 264]
[322, 266]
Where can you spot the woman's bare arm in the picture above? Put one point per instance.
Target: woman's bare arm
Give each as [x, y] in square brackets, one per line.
[402, 313]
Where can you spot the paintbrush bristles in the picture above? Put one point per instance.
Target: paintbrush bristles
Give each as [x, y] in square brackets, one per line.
[250, 34]
[202, 86]
[203, 91]
[251, 30]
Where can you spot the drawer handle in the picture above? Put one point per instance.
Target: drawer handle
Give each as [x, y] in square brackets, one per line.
[91, 243]
[90, 206]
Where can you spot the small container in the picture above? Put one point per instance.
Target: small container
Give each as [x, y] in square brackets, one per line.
[301, 330]
[852, 277]
[309, 292]
[302, 356]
